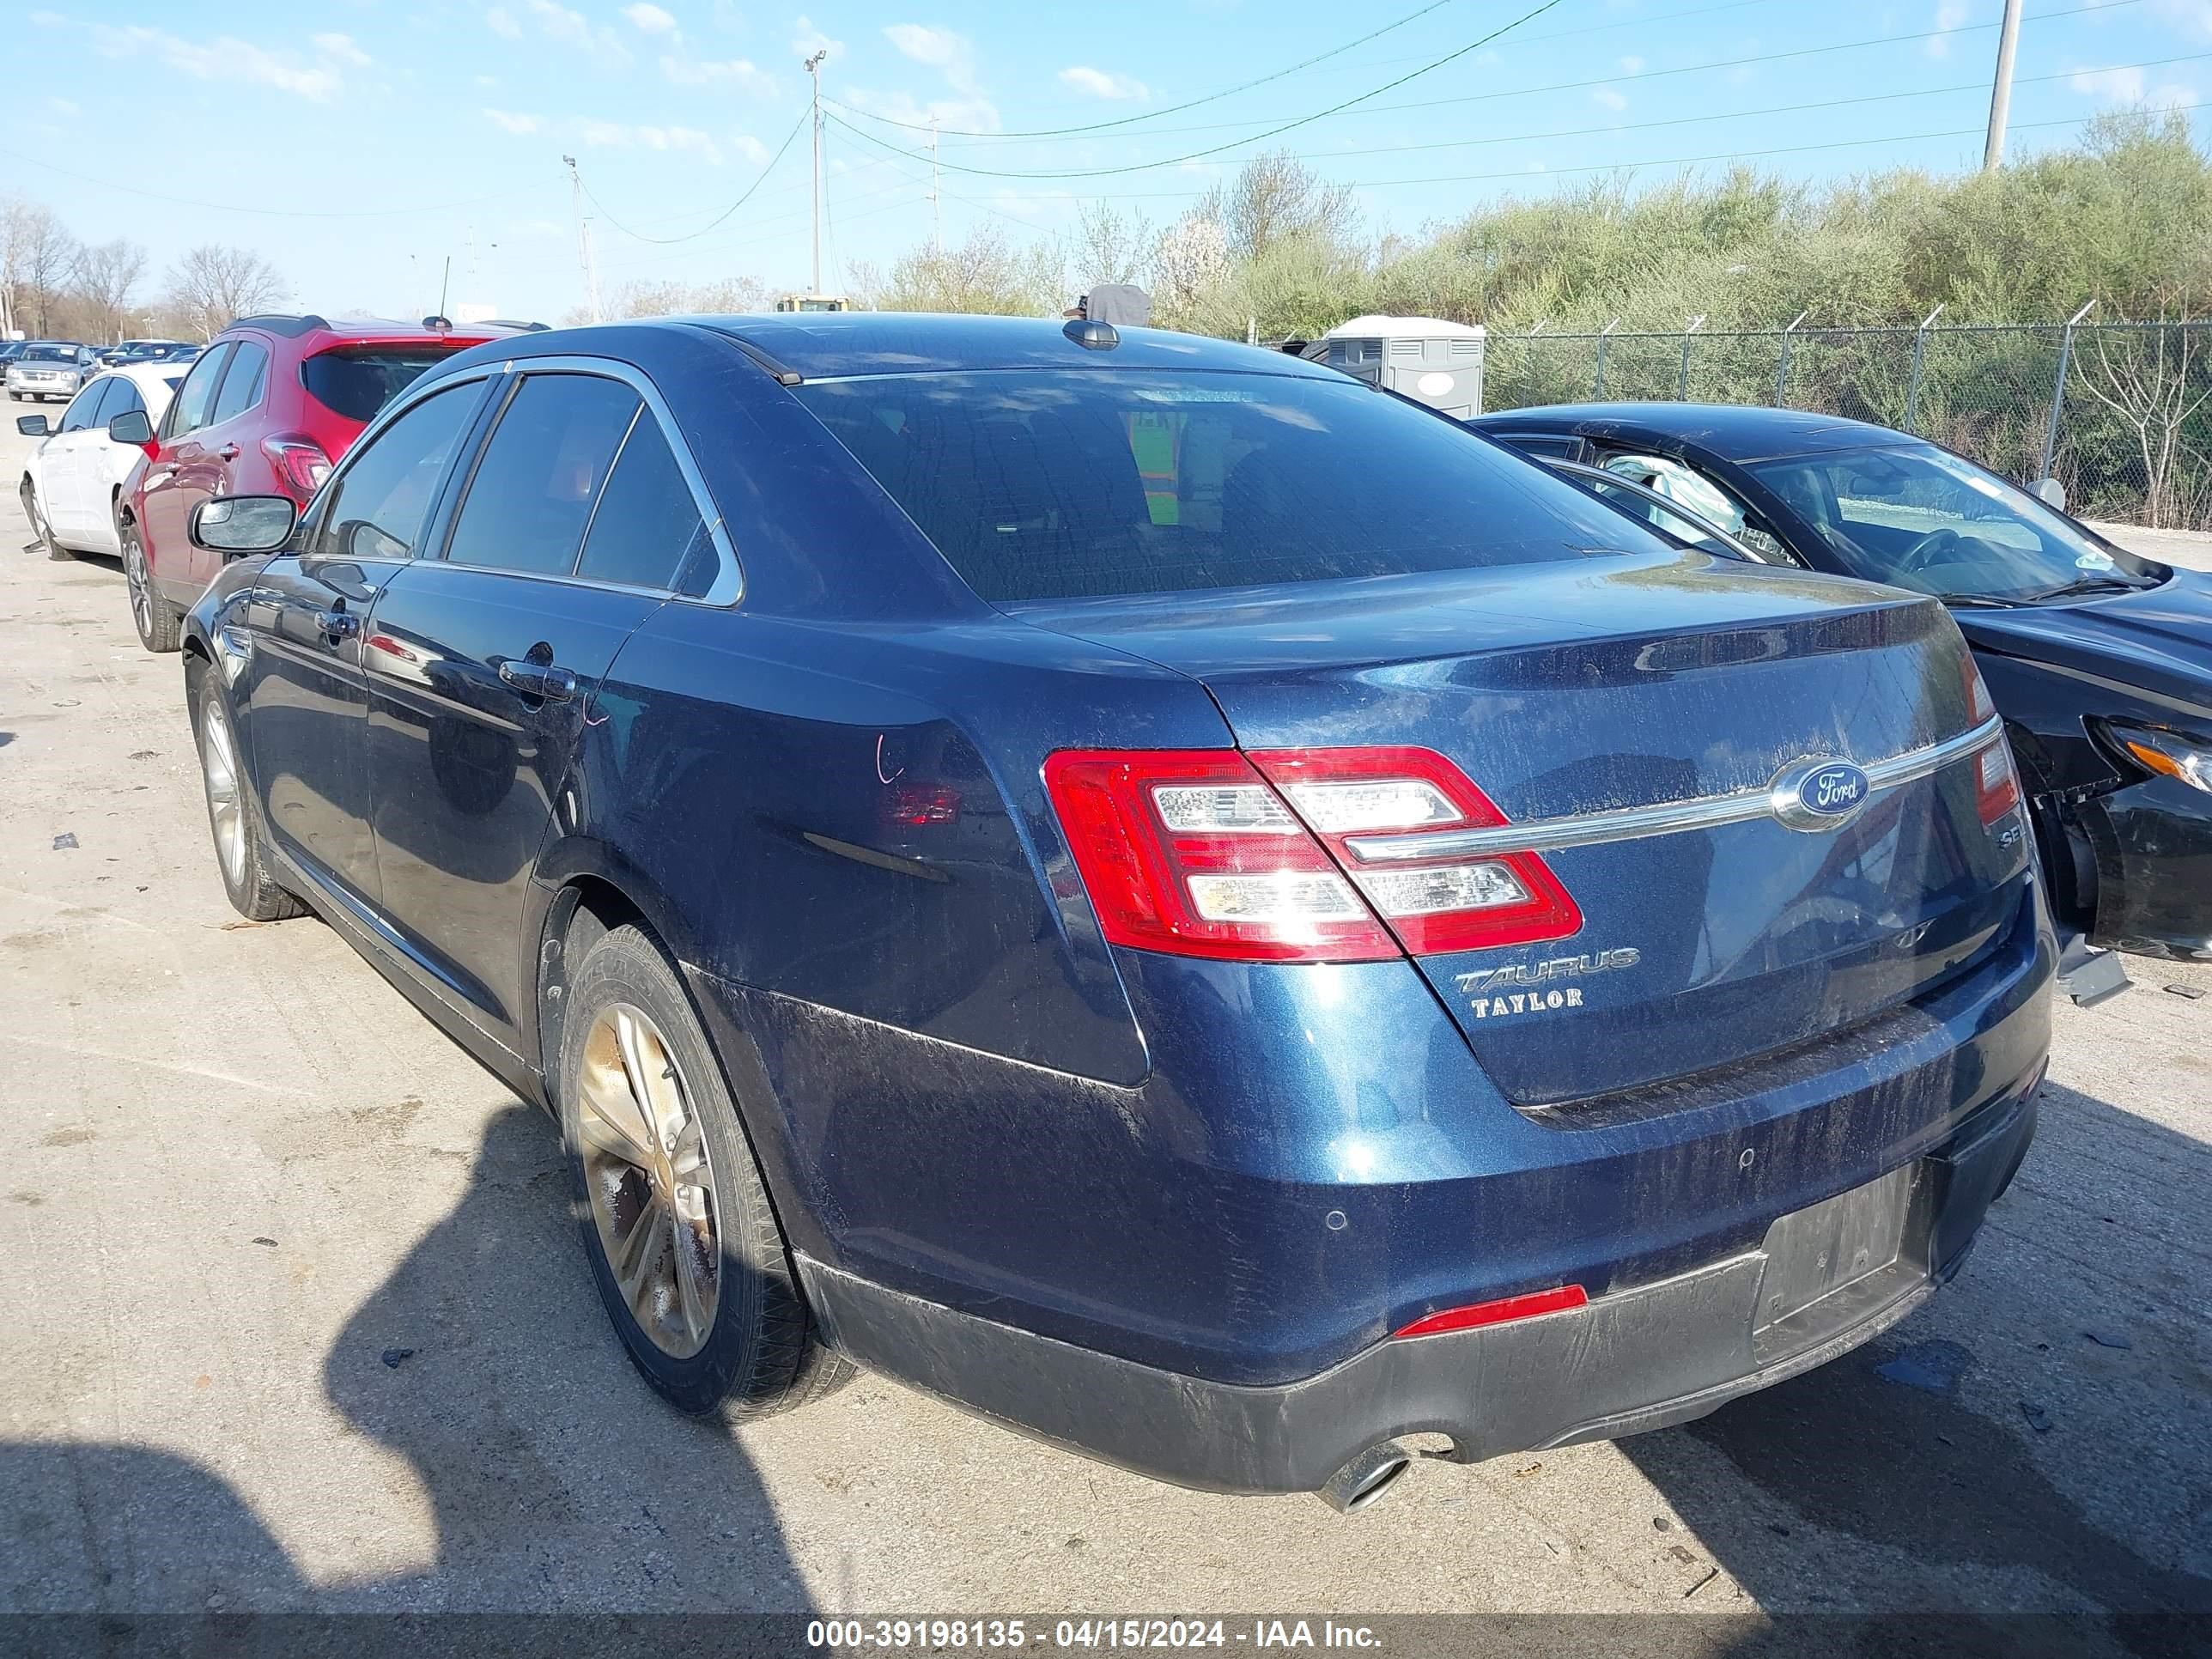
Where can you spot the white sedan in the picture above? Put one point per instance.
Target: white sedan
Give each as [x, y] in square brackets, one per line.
[72, 480]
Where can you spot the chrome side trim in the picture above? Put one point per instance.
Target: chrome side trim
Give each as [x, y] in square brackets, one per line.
[1671, 818]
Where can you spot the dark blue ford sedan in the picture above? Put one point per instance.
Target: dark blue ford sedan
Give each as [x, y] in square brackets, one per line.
[1141, 885]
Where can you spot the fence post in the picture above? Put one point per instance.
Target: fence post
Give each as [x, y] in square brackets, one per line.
[2058, 392]
[1597, 386]
[1682, 384]
[1919, 351]
[1782, 375]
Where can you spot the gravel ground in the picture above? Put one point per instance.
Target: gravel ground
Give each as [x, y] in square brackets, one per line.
[291, 1316]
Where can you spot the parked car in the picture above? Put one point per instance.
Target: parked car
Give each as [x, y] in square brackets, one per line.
[269, 405]
[177, 354]
[46, 370]
[72, 484]
[1139, 885]
[2101, 662]
[137, 351]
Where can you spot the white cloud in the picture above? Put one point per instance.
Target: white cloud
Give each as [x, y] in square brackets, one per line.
[751, 149]
[617, 136]
[2125, 85]
[2194, 15]
[650, 18]
[1950, 15]
[508, 121]
[1609, 98]
[500, 22]
[806, 39]
[1101, 83]
[557, 22]
[48, 20]
[739, 73]
[1631, 64]
[977, 114]
[61, 106]
[939, 48]
[487, 80]
[341, 47]
[220, 60]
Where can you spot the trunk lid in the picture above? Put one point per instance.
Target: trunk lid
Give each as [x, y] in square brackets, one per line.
[1615, 684]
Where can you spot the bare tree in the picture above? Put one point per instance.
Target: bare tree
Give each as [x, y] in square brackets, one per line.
[39, 256]
[1110, 246]
[1275, 198]
[2154, 380]
[983, 274]
[212, 286]
[107, 276]
[672, 298]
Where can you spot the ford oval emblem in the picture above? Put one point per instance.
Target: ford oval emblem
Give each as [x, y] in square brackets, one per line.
[1819, 792]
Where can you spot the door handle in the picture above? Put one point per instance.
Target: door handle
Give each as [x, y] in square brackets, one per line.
[337, 625]
[229, 453]
[538, 679]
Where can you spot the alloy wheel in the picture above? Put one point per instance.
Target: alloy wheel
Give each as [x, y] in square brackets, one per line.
[651, 1181]
[134, 574]
[226, 810]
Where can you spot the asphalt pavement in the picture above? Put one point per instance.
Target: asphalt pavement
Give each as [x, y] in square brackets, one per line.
[292, 1315]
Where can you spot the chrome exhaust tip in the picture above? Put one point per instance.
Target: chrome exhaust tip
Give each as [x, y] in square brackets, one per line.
[1366, 1477]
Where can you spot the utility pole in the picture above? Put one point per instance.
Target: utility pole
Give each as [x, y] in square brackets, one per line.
[814, 69]
[2000, 92]
[583, 237]
[936, 213]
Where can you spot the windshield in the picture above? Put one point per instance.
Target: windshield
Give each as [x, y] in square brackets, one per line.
[1068, 484]
[1921, 519]
[49, 353]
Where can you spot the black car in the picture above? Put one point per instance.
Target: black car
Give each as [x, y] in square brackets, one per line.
[2100, 660]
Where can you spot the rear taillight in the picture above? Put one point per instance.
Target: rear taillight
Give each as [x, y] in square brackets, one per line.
[1213, 853]
[300, 465]
[1996, 786]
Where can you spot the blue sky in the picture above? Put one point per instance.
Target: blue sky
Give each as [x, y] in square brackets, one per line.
[360, 143]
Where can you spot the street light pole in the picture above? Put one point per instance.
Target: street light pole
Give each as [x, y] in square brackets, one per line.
[2000, 92]
[814, 69]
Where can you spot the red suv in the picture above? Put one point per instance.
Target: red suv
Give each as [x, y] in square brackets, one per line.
[268, 409]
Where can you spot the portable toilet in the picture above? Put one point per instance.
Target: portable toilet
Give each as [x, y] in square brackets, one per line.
[1439, 363]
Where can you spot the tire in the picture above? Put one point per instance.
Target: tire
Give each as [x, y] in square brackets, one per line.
[241, 847]
[750, 1350]
[154, 618]
[29, 497]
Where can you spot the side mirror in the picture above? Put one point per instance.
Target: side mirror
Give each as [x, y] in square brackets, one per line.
[2050, 493]
[133, 426]
[33, 426]
[239, 525]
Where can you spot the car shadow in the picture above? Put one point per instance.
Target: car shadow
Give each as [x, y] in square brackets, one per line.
[555, 1480]
[2015, 1443]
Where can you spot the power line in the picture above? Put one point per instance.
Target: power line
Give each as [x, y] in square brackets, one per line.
[1172, 109]
[1273, 132]
[691, 235]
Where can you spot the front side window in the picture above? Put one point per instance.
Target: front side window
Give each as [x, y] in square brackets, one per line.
[1918, 517]
[1065, 483]
[84, 408]
[189, 412]
[243, 386]
[382, 500]
[125, 398]
[540, 474]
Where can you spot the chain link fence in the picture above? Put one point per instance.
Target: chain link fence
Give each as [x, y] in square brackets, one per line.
[2120, 413]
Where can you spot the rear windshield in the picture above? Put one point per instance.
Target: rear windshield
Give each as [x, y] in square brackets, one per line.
[356, 384]
[1069, 483]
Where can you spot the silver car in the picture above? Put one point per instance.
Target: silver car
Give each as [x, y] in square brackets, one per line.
[48, 369]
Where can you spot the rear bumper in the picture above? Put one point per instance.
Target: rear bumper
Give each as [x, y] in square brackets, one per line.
[1633, 1359]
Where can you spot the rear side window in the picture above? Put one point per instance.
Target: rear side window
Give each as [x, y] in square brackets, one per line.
[243, 386]
[647, 521]
[356, 381]
[1066, 484]
[383, 497]
[542, 473]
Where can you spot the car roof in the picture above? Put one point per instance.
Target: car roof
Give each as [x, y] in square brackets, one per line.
[823, 345]
[146, 374]
[1735, 432]
[319, 333]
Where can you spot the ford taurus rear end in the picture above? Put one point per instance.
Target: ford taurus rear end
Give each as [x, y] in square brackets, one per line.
[1412, 953]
